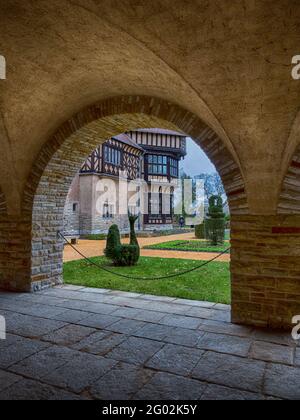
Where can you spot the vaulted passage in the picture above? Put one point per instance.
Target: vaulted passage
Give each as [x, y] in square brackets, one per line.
[65, 153]
[80, 72]
[260, 285]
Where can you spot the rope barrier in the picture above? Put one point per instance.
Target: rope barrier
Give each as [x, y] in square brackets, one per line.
[170, 276]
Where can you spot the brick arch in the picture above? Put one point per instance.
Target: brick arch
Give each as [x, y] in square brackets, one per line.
[289, 198]
[62, 156]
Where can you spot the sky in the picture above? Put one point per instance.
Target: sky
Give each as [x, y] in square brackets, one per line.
[196, 161]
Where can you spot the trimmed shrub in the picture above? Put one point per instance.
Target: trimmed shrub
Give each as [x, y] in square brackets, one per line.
[133, 237]
[215, 223]
[113, 241]
[200, 231]
[126, 255]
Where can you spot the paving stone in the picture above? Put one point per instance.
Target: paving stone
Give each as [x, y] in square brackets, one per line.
[72, 316]
[272, 352]
[175, 359]
[19, 351]
[99, 321]
[7, 379]
[29, 326]
[230, 371]
[282, 381]
[181, 321]
[223, 316]
[94, 290]
[138, 314]
[44, 362]
[35, 391]
[183, 336]
[121, 383]
[196, 303]
[225, 344]
[165, 386]
[222, 307]
[169, 308]
[276, 337]
[80, 372]
[10, 340]
[68, 335]
[297, 357]
[203, 313]
[72, 287]
[225, 328]
[154, 331]
[126, 326]
[212, 314]
[124, 294]
[221, 393]
[100, 342]
[158, 298]
[135, 350]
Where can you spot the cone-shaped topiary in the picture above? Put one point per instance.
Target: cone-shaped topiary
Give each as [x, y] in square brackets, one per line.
[215, 223]
[113, 241]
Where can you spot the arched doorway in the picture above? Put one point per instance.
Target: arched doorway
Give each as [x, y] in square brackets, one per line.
[65, 152]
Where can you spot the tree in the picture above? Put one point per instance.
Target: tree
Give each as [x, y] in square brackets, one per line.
[215, 222]
[213, 185]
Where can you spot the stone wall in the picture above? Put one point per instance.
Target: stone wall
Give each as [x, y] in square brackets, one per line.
[15, 251]
[265, 270]
[289, 200]
[3, 208]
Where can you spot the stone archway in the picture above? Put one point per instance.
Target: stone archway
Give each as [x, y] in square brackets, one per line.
[3, 208]
[64, 153]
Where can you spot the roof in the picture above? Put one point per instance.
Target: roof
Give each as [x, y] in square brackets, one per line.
[125, 139]
[160, 131]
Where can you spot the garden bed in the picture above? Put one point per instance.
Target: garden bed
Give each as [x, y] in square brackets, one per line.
[190, 246]
[210, 283]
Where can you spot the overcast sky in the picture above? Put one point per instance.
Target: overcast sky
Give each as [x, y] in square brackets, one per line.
[196, 161]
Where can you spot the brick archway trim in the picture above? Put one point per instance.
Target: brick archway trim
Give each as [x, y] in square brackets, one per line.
[176, 117]
[289, 199]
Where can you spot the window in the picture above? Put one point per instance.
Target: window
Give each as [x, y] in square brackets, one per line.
[174, 168]
[157, 165]
[108, 211]
[75, 207]
[112, 156]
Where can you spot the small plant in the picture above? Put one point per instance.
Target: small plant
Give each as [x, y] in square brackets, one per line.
[133, 237]
[215, 223]
[200, 231]
[126, 255]
[123, 255]
[113, 241]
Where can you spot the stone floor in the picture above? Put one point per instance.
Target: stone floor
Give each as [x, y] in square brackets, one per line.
[78, 343]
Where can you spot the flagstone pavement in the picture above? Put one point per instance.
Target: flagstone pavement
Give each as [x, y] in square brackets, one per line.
[77, 343]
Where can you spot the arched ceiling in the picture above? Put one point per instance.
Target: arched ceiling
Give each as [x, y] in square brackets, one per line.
[226, 62]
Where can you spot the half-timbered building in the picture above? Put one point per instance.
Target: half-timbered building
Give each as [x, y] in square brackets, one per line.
[148, 159]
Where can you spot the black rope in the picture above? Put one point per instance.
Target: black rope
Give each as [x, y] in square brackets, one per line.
[170, 276]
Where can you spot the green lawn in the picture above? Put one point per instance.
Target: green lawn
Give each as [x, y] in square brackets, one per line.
[211, 283]
[193, 246]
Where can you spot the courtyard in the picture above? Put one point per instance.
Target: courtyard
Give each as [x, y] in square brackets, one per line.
[73, 343]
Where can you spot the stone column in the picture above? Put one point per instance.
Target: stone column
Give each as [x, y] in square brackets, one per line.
[265, 270]
[15, 253]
